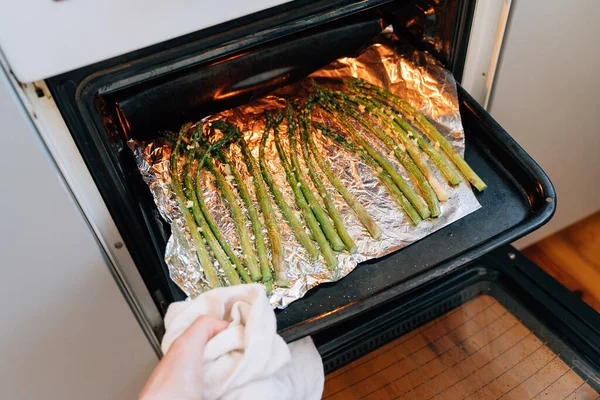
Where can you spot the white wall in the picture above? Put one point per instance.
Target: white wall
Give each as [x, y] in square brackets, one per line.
[66, 331]
[547, 96]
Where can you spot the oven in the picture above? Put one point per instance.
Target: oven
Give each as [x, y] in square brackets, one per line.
[145, 91]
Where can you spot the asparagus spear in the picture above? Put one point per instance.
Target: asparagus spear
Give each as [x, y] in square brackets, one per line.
[259, 239]
[384, 178]
[423, 124]
[385, 115]
[265, 205]
[442, 164]
[404, 130]
[215, 246]
[312, 171]
[212, 226]
[287, 212]
[207, 217]
[415, 166]
[326, 227]
[305, 209]
[201, 251]
[239, 219]
[189, 181]
[362, 214]
[414, 199]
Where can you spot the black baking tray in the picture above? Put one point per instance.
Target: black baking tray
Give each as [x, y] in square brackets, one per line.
[519, 198]
[563, 322]
[139, 95]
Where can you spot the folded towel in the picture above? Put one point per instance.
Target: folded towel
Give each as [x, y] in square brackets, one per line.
[248, 360]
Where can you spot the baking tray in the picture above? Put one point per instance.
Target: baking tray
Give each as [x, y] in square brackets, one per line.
[519, 199]
[549, 317]
[104, 105]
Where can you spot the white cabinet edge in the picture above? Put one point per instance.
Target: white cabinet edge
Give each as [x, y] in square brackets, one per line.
[485, 43]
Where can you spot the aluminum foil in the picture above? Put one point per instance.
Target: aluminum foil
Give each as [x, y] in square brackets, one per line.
[415, 76]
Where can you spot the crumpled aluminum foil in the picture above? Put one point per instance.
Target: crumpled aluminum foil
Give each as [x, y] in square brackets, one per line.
[415, 76]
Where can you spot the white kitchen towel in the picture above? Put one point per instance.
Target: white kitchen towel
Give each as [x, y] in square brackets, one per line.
[248, 360]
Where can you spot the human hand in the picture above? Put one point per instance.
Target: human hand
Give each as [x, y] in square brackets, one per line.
[180, 373]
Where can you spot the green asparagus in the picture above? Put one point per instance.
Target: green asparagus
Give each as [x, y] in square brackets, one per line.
[413, 162]
[443, 165]
[201, 251]
[287, 212]
[311, 221]
[385, 116]
[361, 214]
[405, 132]
[423, 124]
[212, 226]
[281, 278]
[259, 239]
[332, 108]
[319, 185]
[326, 227]
[239, 219]
[383, 177]
[224, 261]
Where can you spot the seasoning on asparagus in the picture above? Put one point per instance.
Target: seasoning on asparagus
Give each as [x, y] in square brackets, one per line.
[264, 201]
[361, 214]
[224, 261]
[259, 240]
[239, 219]
[446, 168]
[319, 185]
[423, 124]
[287, 212]
[332, 108]
[201, 159]
[212, 226]
[382, 114]
[201, 251]
[383, 177]
[413, 162]
[405, 131]
[311, 221]
[326, 227]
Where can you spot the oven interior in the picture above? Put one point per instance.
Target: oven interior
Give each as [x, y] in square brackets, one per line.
[141, 94]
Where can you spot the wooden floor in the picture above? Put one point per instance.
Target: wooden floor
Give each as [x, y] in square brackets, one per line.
[479, 350]
[572, 256]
